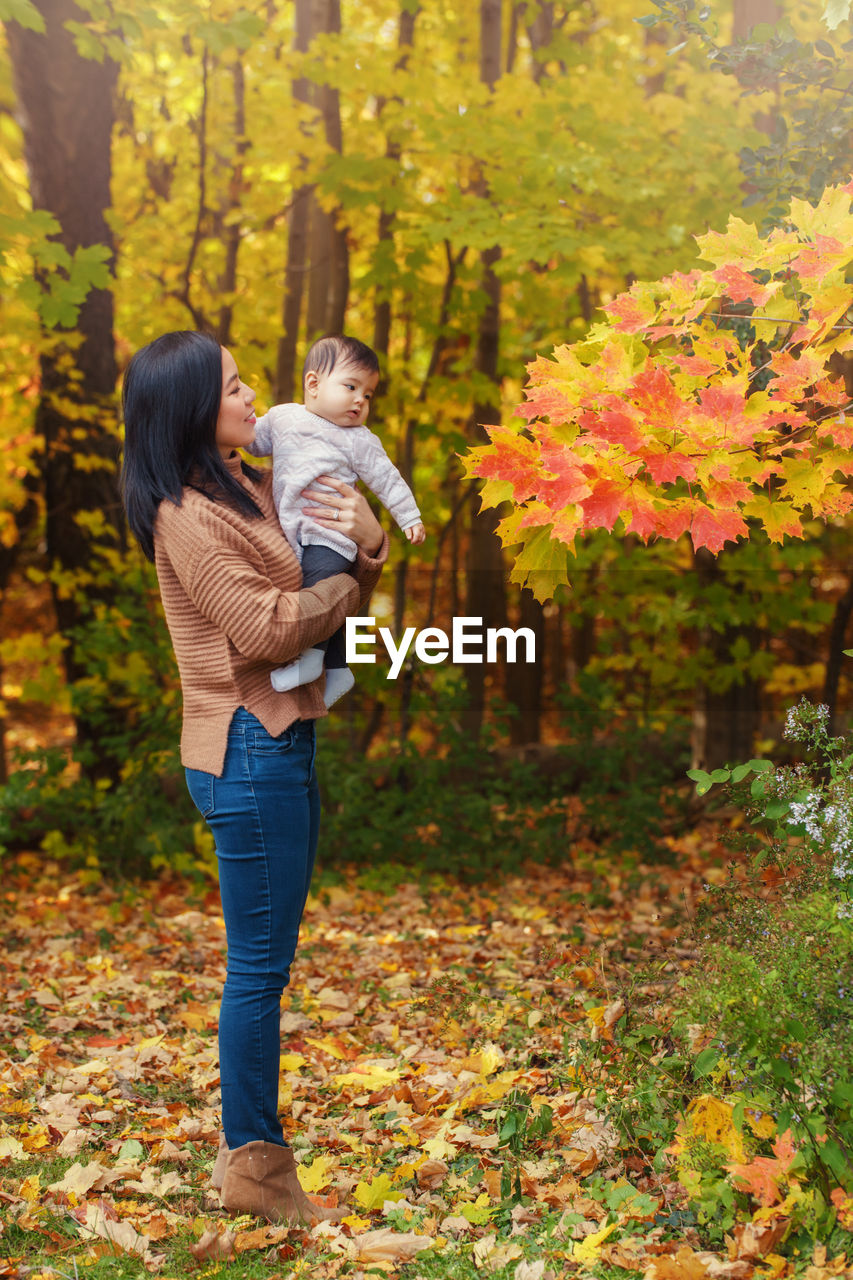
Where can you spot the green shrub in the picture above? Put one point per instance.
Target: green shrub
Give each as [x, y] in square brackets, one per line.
[776, 946]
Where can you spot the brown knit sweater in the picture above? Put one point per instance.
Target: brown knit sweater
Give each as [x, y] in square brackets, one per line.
[231, 594]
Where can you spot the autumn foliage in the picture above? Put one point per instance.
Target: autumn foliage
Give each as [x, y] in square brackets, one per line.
[706, 403]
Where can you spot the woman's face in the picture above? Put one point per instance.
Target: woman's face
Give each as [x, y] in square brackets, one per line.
[235, 426]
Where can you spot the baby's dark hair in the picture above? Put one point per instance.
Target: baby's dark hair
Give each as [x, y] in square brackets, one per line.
[339, 349]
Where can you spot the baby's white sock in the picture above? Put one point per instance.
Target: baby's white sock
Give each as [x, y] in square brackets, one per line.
[338, 682]
[307, 667]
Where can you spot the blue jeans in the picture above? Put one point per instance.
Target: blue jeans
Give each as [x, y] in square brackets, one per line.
[264, 813]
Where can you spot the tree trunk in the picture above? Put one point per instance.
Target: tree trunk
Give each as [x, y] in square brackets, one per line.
[485, 595]
[25, 519]
[199, 127]
[226, 224]
[66, 105]
[835, 658]
[485, 590]
[524, 680]
[286, 379]
[725, 722]
[328, 285]
[387, 217]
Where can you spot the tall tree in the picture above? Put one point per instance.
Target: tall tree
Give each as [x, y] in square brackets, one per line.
[485, 592]
[66, 105]
[298, 224]
[328, 279]
[226, 218]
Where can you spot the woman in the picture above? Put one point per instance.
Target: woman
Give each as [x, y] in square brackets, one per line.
[230, 589]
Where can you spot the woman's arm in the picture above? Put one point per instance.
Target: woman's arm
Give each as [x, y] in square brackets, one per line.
[222, 575]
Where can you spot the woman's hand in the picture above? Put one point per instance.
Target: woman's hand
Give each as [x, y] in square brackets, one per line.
[347, 510]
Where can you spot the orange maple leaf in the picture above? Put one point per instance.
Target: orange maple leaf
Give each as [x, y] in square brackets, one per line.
[739, 285]
[631, 314]
[762, 1176]
[653, 391]
[511, 457]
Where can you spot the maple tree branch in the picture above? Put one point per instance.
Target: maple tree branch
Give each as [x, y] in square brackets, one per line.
[722, 315]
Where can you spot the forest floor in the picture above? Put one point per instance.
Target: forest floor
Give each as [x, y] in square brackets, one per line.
[442, 1055]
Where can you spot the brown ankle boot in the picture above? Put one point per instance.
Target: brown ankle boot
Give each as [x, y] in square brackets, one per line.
[260, 1178]
[219, 1167]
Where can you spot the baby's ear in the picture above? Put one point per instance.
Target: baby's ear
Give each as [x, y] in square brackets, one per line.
[311, 381]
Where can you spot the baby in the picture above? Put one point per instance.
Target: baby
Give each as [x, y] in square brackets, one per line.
[327, 436]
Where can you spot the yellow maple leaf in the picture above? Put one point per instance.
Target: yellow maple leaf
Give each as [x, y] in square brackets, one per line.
[486, 1062]
[193, 1020]
[761, 1124]
[596, 1015]
[588, 1249]
[355, 1223]
[316, 1175]
[30, 1189]
[370, 1078]
[354, 1143]
[328, 1045]
[291, 1061]
[11, 1149]
[372, 1195]
[37, 1139]
[711, 1118]
[440, 1149]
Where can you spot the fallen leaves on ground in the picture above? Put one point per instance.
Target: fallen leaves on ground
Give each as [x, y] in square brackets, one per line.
[417, 1018]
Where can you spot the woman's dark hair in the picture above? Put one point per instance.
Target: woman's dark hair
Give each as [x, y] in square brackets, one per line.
[170, 397]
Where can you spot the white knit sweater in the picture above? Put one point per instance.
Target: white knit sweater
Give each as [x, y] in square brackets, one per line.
[304, 446]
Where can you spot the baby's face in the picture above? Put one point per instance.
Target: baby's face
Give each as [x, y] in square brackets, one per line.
[342, 396]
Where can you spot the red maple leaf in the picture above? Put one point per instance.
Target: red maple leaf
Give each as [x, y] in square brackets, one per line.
[564, 481]
[739, 285]
[761, 1177]
[700, 366]
[815, 261]
[837, 504]
[793, 374]
[632, 316]
[546, 401]
[605, 504]
[643, 517]
[653, 392]
[727, 409]
[668, 466]
[512, 457]
[615, 428]
[713, 529]
[674, 519]
[725, 492]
